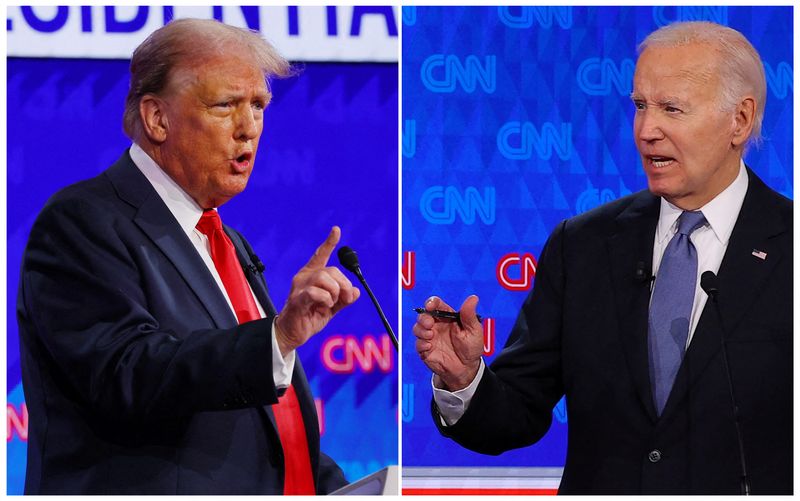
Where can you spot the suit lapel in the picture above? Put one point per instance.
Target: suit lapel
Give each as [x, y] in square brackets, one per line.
[631, 244]
[158, 223]
[254, 278]
[257, 283]
[741, 277]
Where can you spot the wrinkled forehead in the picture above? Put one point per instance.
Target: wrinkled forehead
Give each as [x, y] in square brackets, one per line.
[219, 71]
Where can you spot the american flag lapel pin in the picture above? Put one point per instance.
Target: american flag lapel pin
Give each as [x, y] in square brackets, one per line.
[760, 254]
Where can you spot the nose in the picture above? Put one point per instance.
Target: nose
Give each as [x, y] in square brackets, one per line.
[248, 126]
[648, 126]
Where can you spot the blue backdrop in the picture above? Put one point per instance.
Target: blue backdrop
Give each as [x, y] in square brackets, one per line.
[513, 120]
[328, 156]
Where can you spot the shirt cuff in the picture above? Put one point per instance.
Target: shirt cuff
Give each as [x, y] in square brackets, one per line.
[453, 404]
[282, 368]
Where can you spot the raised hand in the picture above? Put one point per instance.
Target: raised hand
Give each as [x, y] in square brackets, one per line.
[450, 350]
[317, 293]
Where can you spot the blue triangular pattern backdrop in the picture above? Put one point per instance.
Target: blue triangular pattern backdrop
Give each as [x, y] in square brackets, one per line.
[533, 78]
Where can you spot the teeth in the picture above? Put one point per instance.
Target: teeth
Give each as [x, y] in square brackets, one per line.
[661, 162]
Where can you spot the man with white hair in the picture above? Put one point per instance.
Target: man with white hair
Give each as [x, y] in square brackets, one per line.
[153, 359]
[665, 317]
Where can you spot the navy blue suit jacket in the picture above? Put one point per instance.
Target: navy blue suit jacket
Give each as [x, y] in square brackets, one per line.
[582, 332]
[136, 375]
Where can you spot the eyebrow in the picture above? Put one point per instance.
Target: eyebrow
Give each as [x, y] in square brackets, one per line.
[667, 100]
[235, 95]
[670, 100]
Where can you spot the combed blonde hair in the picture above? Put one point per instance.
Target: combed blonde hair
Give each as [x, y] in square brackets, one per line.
[186, 41]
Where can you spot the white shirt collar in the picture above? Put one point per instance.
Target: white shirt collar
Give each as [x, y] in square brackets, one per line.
[721, 212]
[186, 211]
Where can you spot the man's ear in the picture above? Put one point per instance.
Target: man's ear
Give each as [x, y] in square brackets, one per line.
[152, 111]
[743, 120]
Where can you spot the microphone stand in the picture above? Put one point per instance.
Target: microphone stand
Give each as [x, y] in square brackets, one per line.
[357, 272]
[708, 282]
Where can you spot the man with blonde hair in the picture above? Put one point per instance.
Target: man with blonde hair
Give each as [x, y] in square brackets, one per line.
[665, 317]
[153, 359]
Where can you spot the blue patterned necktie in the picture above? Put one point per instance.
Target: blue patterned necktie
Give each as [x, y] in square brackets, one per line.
[671, 307]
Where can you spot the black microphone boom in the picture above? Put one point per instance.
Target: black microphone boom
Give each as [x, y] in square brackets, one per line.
[709, 283]
[349, 259]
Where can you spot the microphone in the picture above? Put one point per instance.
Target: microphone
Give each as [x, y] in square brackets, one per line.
[257, 266]
[349, 259]
[709, 283]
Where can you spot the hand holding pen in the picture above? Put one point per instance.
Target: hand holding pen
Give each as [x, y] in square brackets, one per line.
[450, 343]
[448, 315]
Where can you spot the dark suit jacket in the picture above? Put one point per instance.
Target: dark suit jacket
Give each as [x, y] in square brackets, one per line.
[582, 332]
[136, 375]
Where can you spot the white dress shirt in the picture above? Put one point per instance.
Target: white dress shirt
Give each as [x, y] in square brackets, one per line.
[710, 241]
[187, 213]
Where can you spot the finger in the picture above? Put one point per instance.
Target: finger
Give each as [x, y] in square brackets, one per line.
[469, 317]
[423, 346]
[322, 280]
[355, 293]
[436, 303]
[347, 292]
[315, 296]
[421, 332]
[323, 252]
[426, 321]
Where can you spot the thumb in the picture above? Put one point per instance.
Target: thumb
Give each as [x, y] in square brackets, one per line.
[469, 317]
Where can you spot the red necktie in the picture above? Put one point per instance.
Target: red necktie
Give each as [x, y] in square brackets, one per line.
[291, 429]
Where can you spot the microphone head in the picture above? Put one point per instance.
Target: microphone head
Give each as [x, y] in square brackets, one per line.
[348, 258]
[708, 282]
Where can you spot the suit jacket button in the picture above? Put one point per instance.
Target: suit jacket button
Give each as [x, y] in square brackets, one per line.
[654, 456]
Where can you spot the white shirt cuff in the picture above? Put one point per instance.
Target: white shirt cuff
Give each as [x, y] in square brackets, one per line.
[453, 404]
[282, 368]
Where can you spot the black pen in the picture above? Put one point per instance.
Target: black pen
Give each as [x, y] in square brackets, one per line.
[452, 315]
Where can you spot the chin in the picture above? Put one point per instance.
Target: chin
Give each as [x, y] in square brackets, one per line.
[660, 189]
[655, 187]
[231, 194]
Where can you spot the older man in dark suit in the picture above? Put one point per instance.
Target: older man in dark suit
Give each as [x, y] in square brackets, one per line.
[153, 358]
[667, 391]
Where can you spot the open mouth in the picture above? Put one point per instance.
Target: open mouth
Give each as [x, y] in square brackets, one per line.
[660, 162]
[242, 162]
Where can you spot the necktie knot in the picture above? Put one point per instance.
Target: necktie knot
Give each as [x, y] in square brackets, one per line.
[209, 222]
[690, 221]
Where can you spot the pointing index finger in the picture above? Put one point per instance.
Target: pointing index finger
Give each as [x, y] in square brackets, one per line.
[324, 251]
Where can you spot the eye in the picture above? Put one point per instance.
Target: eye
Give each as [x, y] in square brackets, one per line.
[259, 105]
[672, 109]
[639, 105]
[224, 104]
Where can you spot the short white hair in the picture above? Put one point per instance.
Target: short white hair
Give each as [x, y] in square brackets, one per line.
[740, 67]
